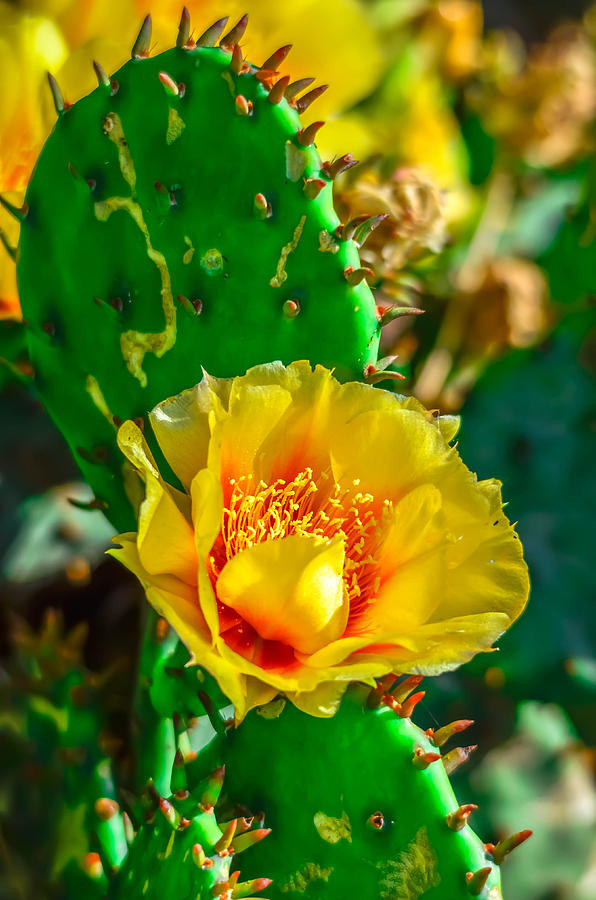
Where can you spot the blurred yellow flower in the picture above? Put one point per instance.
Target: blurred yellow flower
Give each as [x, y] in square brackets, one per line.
[325, 533]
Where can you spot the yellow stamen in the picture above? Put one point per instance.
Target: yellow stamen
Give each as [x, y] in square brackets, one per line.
[265, 512]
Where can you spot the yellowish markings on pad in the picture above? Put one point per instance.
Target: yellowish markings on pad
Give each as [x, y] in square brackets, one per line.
[190, 252]
[413, 873]
[93, 389]
[333, 830]
[327, 243]
[112, 126]
[135, 344]
[176, 126]
[305, 876]
[281, 274]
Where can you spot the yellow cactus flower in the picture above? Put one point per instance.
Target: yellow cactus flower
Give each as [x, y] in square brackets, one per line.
[325, 533]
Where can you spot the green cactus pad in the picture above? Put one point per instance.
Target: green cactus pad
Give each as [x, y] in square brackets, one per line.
[171, 224]
[351, 814]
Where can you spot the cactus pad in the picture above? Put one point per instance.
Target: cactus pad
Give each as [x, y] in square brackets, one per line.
[360, 806]
[180, 217]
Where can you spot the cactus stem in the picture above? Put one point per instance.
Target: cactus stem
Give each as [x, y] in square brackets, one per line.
[355, 276]
[243, 106]
[376, 822]
[222, 846]
[60, 104]
[442, 735]
[235, 35]
[140, 48]
[503, 848]
[210, 37]
[306, 136]
[275, 60]
[102, 79]
[387, 314]
[366, 228]
[192, 307]
[302, 103]
[476, 881]
[245, 888]
[19, 212]
[12, 251]
[296, 86]
[291, 309]
[243, 841]
[261, 206]
[336, 166]
[459, 818]
[171, 88]
[457, 757]
[183, 30]
[276, 93]
[422, 759]
[313, 187]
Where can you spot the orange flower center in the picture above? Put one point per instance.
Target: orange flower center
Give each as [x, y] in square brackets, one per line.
[268, 512]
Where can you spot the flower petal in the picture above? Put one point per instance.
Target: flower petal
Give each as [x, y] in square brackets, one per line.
[442, 646]
[181, 426]
[492, 577]
[415, 528]
[390, 451]
[290, 590]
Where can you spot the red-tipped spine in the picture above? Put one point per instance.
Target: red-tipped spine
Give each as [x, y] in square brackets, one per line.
[422, 759]
[235, 35]
[458, 819]
[306, 136]
[504, 848]
[276, 94]
[211, 35]
[442, 735]
[476, 881]
[302, 103]
[183, 30]
[457, 757]
[274, 61]
[336, 166]
[244, 841]
[140, 48]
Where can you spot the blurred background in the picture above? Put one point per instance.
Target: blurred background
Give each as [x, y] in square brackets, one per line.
[475, 129]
